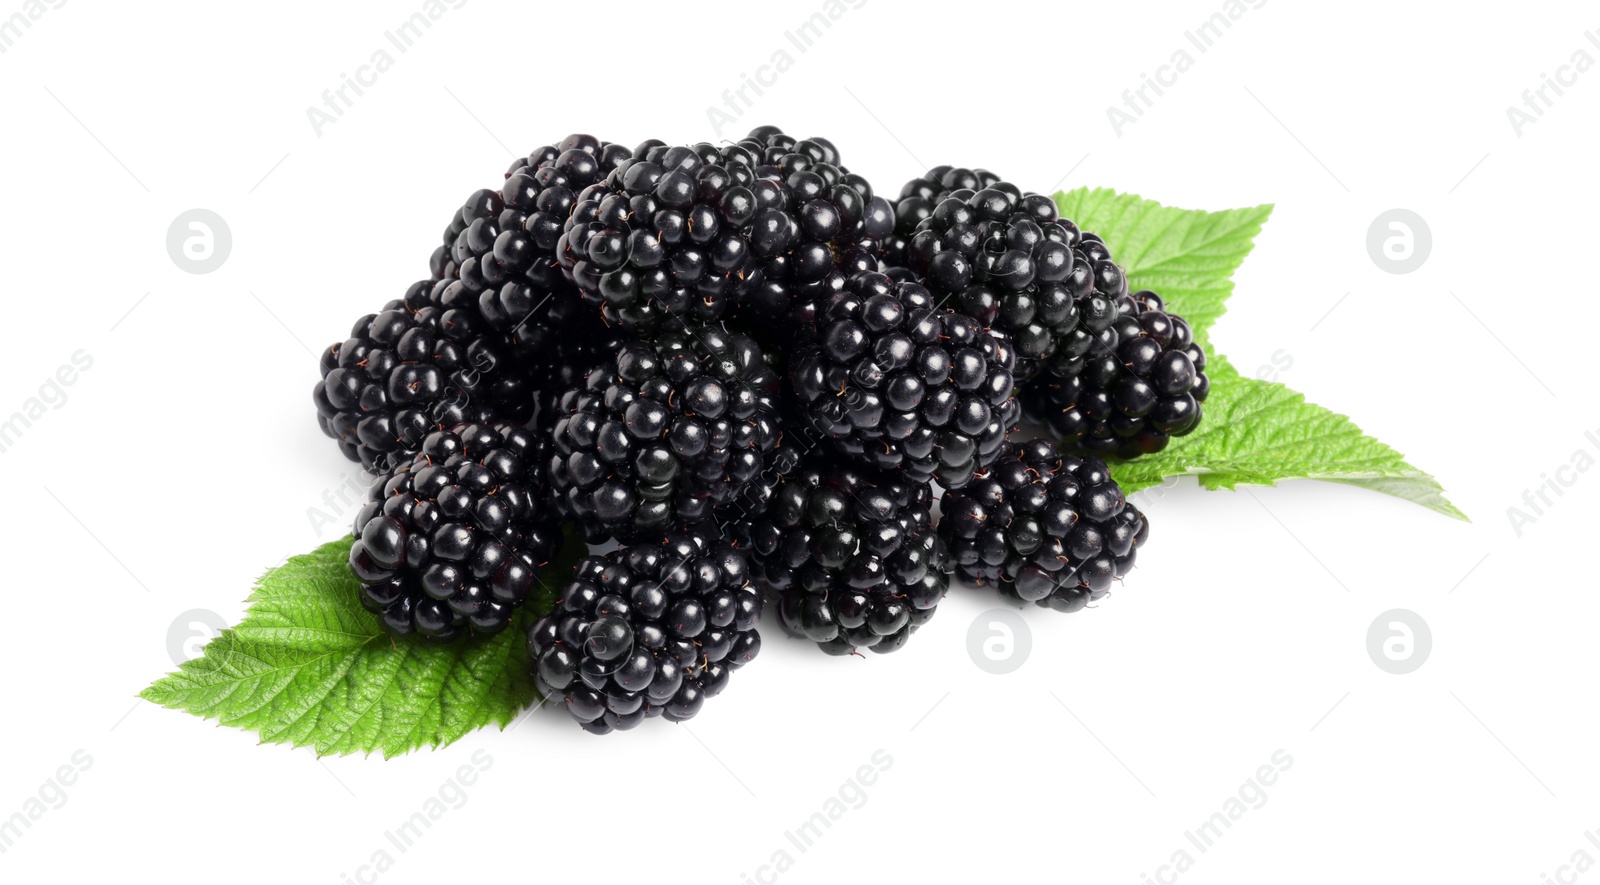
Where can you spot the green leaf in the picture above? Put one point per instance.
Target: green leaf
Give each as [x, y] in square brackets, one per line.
[1260, 433]
[1188, 256]
[1254, 432]
[308, 666]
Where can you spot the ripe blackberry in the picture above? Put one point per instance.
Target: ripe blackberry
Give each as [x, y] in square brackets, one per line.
[732, 519]
[851, 553]
[420, 364]
[693, 231]
[648, 630]
[501, 253]
[1007, 258]
[470, 344]
[777, 310]
[1043, 527]
[916, 202]
[529, 210]
[453, 541]
[783, 318]
[1132, 400]
[898, 382]
[569, 362]
[663, 431]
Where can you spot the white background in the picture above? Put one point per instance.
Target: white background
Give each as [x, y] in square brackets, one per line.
[184, 461]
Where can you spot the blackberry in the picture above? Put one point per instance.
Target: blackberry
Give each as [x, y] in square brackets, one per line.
[732, 519]
[568, 364]
[694, 231]
[786, 303]
[851, 554]
[663, 431]
[1007, 258]
[501, 253]
[470, 344]
[453, 541]
[648, 630]
[1132, 400]
[898, 382]
[530, 210]
[917, 199]
[420, 364]
[1043, 527]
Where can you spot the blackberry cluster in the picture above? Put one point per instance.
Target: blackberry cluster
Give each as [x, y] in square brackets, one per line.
[663, 432]
[747, 370]
[453, 541]
[852, 554]
[1133, 399]
[650, 630]
[1043, 527]
[696, 231]
[893, 379]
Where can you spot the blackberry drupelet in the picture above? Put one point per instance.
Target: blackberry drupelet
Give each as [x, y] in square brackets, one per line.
[696, 231]
[648, 630]
[1040, 526]
[663, 431]
[902, 384]
[1132, 400]
[1007, 258]
[452, 542]
[851, 553]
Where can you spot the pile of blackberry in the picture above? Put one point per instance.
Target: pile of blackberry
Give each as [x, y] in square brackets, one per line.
[750, 376]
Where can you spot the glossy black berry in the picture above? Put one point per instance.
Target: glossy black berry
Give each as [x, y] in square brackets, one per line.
[899, 383]
[519, 222]
[851, 553]
[474, 342]
[452, 541]
[1141, 384]
[1005, 257]
[649, 630]
[918, 199]
[704, 231]
[663, 431]
[1044, 527]
[422, 363]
